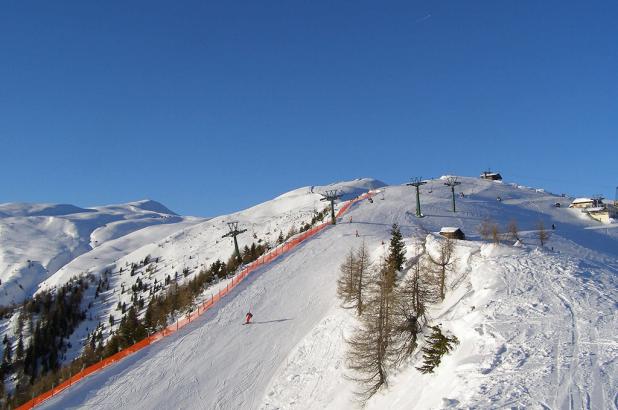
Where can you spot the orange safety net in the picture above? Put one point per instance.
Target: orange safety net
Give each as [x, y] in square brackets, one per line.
[201, 308]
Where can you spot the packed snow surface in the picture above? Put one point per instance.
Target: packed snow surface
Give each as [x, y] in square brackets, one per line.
[537, 326]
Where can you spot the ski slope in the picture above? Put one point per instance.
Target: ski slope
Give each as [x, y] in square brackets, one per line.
[173, 244]
[536, 326]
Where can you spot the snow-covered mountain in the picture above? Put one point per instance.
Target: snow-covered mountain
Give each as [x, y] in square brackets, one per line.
[67, 241]
[536, 324]
[38, 240]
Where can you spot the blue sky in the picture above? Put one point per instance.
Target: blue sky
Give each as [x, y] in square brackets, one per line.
[210, 107]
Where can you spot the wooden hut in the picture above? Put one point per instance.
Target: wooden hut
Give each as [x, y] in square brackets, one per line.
[452, 233]
[492, 176]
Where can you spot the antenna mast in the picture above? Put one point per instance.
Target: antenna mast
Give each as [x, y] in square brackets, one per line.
[234, 232]
[331, 196]
[452, 182]
[416, 182]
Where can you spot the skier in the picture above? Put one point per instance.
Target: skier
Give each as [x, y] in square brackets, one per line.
[357, 234]
[553, 226]
[248, 318]
[350, 219]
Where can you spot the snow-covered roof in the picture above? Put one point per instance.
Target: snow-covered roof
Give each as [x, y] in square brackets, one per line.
[581, 200]
[596, 209]
[449, 229]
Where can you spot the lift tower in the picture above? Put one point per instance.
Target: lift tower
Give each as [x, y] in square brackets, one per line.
[452, 182]
[234, 232]
[331, 196]
[416, 182]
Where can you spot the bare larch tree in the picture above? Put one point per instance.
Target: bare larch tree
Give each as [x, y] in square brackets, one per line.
[370, 353]
[363, 266]
[541, 233]
[413, 295]
[513, 230]
[347, 281]
[353, 279]
[443, 262]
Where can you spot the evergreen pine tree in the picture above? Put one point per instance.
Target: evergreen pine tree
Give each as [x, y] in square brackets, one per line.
[438, 346]
[246, 254]
[396, 250]
[19, 351]
[291, 232]
[131, 329]
[7, 355]
[2, 388]
[280, 238]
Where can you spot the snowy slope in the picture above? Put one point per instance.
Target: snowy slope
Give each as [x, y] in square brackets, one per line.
[188, 244]
[37, 240]
[537, 327]
[196, 243]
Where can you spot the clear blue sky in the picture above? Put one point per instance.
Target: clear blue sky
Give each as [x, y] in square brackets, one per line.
[210, 107]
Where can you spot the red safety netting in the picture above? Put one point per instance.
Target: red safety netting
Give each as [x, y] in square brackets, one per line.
[273, 254]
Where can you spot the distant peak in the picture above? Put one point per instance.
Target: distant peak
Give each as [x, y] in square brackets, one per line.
[153, 206]
[13, 209]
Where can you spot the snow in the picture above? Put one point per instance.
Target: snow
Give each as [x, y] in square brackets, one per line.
[28, 209]
[37, 240]
[448, 229]
[536, 326]
[535, 332]
[582, 200]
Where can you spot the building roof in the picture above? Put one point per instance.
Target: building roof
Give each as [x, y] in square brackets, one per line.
[491, 175]
[582, 200]
[449, 229]
[596, 209]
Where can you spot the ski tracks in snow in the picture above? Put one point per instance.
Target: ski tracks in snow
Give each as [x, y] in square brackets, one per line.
[537, 331]
[320, 355]
[549, 329]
